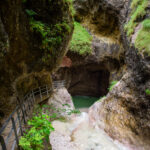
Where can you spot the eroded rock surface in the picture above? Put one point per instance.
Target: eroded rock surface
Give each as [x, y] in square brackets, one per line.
[77, 134]
[23, 56]
[61, 99]
[90, 75]
[124, 113]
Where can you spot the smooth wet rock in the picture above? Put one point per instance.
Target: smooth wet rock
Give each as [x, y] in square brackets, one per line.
[61, 99]
[124, 115]
[77, 134]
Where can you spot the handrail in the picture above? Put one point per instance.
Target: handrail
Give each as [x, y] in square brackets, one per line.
[17, 120]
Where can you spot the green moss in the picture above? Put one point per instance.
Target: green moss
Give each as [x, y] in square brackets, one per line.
[81, 40]
[112, 84]
[138, 11]
[51, 35]
[51, 32]
[147, 91]
[70, 2]
[142, 41]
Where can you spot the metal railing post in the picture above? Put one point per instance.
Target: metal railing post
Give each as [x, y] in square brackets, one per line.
[23, 115]
[33, 95]
[24, 109]
[47, 90]
[18, 115]
[2, 141]
[40, 93]
[15, 131]
[21, 112]
[28, 102]
[31, 98]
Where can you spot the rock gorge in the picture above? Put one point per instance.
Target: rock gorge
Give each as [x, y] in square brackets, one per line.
[35, 37]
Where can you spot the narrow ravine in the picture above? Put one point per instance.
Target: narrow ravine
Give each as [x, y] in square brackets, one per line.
[77, 134]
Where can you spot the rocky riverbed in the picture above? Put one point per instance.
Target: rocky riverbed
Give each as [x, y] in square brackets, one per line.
[78, 134]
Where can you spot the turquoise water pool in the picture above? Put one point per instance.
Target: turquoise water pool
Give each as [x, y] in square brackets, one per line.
[83, 101]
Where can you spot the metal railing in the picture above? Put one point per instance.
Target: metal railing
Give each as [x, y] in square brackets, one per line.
[14, 126]
[59, 84]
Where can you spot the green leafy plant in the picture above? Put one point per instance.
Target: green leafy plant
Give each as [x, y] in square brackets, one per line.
[112, 84]
[40, 126]
[81, 40]
[31, 12]
[147, 91]
[40, 129]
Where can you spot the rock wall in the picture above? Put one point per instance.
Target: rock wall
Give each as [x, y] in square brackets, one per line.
[25, 54]
[124, 113]
[90, 74]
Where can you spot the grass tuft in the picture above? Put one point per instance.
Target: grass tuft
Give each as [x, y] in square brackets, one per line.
[138, 11]
[81, 40]
[142, 41]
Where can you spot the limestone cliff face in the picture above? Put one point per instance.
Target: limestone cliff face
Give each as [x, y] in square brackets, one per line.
[26, 57]
[90, 74]
[125, 113]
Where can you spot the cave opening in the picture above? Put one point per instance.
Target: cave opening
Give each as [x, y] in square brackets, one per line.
[86, 83]
[88, 86]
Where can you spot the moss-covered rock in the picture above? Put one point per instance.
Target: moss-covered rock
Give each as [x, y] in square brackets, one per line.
[38, 35]
[81, 42]
[28, 82]
[137, 17]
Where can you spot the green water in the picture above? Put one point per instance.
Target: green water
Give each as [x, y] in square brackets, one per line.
[83, 101]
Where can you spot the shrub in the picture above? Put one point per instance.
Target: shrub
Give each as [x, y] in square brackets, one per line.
[112, 84]
[40, 126]
[81, 40]
[40, 129]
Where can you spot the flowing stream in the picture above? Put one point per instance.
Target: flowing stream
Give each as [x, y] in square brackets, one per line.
[77, 134]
